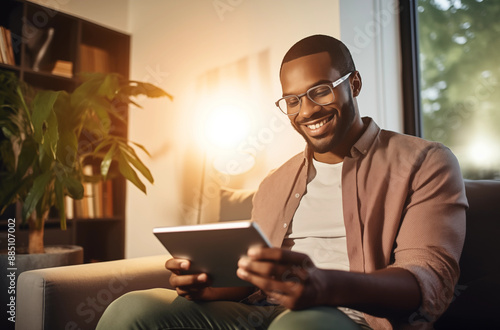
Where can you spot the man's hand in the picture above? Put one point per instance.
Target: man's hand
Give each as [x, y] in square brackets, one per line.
[289, 278]
[189, 286]
[292, 280]
[197, 286]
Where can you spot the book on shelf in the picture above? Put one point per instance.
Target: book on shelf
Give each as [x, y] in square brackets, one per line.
[69, 207]
[88, 192]
[82, 209]
[63, 68]
[107, 199]
[97, 201]
[6, 49]
[3, 46]
[94, 59]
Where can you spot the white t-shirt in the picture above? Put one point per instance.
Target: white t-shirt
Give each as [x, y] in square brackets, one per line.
[317, 228]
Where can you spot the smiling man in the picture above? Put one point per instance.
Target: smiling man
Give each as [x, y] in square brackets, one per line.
[327, 118]
[368, 225]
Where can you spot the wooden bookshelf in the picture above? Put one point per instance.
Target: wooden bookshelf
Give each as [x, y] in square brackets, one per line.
[50, 49]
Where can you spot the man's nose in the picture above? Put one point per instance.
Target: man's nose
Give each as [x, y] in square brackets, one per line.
[308, 107]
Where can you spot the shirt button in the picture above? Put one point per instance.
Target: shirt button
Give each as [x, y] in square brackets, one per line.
[284, 225]
[297, 195]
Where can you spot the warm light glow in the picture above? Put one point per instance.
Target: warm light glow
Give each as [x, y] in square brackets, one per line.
[234, 163]
[226, 126]
[482, 152]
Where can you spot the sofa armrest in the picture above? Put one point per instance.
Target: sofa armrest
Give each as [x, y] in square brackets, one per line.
[74, 297]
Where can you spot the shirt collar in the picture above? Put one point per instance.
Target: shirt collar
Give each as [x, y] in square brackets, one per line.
[366, 140]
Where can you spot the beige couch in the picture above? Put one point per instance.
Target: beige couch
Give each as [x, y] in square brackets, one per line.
[74, 297]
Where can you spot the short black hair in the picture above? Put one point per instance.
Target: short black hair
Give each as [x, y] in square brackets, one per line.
[340, 56]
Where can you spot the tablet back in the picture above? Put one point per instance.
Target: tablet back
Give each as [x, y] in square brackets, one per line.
[213, 248]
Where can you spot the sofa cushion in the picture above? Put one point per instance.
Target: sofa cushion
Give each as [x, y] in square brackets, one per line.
[235, 204]
[476, 299]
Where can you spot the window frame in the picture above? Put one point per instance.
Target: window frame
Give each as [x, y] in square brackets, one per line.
[412, 114]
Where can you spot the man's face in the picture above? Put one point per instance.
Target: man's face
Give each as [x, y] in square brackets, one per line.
[326, 127]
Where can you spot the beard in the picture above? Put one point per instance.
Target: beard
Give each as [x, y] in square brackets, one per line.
[342, 127]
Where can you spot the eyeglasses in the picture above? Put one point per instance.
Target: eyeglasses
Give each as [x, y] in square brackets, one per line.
[320, 94]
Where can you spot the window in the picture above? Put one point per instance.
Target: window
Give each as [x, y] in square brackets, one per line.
[452, 76]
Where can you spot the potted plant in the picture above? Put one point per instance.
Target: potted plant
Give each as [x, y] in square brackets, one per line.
[47, 137]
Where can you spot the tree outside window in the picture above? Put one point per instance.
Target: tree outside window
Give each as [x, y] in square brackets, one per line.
[459, 42]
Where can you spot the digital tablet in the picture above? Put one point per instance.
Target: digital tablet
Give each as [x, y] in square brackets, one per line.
[213, 248]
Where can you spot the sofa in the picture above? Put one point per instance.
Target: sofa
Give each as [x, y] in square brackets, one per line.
[74, 297]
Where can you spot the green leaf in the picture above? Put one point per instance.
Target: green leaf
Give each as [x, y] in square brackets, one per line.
[106, 142]
[26, 158]
[36, 193]
[79, 97]
[142, 148]
[74, 187]
[67, 148]
[10, 190]
[51, 136]
[117, 114]
[109, 86]
[131, 157]
[129, 173]
[106, 162]
[67, 117]
[135, 88]
[100, 106]
[45, 161]
[11, 94]
[7, 157]
[91, 76]
[43, 105]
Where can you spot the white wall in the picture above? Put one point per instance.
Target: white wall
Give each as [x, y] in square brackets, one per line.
[110, 13]
[371, 31]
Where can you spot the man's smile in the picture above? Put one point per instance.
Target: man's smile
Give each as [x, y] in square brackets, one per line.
[320, 127]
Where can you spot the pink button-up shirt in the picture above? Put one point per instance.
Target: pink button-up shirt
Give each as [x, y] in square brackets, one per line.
[404, 206]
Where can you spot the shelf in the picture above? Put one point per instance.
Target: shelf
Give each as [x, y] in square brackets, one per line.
[40, 38]
[49, 224]
[9, 67]
[45, 80]
[84, 220]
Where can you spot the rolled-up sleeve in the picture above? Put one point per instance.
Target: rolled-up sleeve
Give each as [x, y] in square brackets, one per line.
[431, 236]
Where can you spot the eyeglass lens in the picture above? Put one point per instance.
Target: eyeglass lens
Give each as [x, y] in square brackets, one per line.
[321, 95]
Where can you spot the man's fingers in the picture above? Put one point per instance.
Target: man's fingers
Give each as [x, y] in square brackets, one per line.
[176, 265]
[187, 281]
[263, 268]
[270, 285]
[275, 270]
[264, 283]
[191, 290]
[279, 255]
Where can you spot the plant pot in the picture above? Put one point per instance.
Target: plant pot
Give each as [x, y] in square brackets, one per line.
[54, 256]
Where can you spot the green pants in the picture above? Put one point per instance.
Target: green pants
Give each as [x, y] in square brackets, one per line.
[164, 309]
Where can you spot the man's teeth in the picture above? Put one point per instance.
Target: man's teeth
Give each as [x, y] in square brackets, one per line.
[318, 125]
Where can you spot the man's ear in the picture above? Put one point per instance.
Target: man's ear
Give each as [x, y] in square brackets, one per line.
[356, 83]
